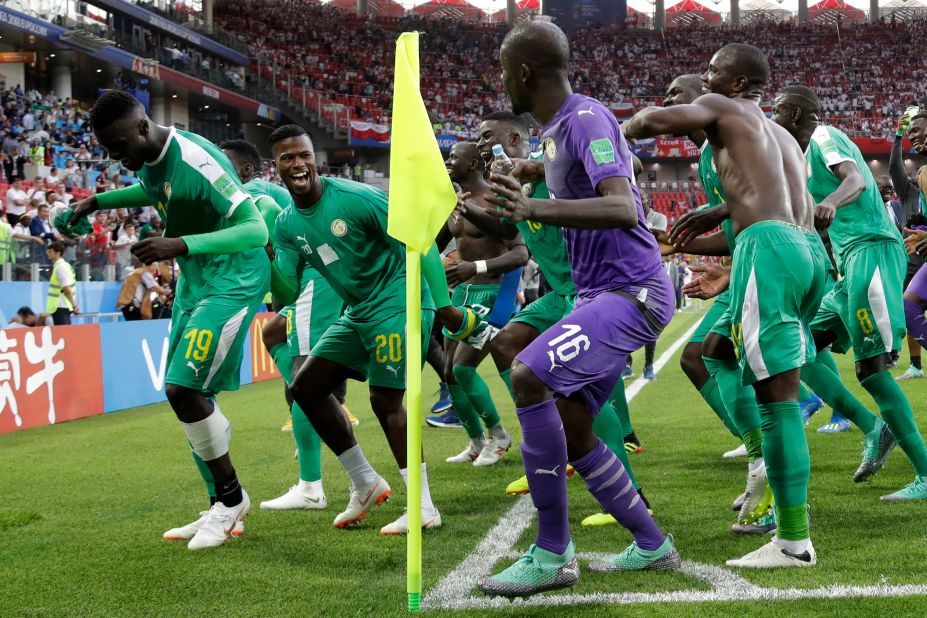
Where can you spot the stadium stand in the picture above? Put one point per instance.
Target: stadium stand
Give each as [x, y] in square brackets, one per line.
[862, 78]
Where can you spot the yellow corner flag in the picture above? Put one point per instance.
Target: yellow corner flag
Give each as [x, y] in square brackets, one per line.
[421, 199]
[421, 196]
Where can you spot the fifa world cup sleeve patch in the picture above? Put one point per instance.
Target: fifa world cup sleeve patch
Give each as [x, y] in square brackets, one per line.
[225, 187]
[603, 151]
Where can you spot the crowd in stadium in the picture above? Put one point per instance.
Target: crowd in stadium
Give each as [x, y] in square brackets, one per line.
[50, 157]
[865, 74]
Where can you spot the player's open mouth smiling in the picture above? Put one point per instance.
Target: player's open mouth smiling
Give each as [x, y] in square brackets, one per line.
[299, 178]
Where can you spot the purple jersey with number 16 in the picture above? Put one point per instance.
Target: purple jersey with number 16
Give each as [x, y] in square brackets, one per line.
[583, 145]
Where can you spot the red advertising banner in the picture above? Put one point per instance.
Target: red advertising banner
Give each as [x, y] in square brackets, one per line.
[49, 375]
[262, 365]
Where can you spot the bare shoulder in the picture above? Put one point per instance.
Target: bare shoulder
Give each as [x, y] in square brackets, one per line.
[716, 102]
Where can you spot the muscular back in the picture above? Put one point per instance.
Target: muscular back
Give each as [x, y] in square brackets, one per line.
[750, 162]
[796, 175]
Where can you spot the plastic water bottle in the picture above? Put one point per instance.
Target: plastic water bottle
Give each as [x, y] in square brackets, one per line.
[501, 164]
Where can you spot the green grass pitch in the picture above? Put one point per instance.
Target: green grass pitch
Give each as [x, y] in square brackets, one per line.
[84, 505]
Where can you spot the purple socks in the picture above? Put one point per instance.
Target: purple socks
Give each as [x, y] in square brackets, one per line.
[915, 321]
[544, 451]
[609, 482]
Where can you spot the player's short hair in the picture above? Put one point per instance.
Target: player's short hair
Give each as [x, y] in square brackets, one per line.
[111, 107]
[244, 149]
[509, 118]
[921, 115]
[750, 61]
[542, 44]
[25, 311]
[804, 97]
[57, 246]
[286, 132]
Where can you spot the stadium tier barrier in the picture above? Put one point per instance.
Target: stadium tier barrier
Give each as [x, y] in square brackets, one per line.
[92, 297]
[53, 374]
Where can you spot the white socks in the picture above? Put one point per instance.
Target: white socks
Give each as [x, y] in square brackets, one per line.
[499, 432]
[310, 488]
[756, 464]
[357, 467]
[427, 504]
[793, 547]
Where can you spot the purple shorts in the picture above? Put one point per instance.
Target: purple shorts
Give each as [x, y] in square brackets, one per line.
[918, 285]
[585, 352]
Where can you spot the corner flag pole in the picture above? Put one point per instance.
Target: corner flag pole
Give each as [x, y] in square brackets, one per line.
[414, 426]
[421, 198]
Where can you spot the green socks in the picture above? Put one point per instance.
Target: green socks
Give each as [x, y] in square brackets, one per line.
[829, 387]
[803, 393]
[788, 466]
[283, 360]
[507, 379]
[308, 443]
[896, 411]
[203, 469]
[620, 403]
[465, 411]
[744, 414]
[712, 396]
[608, 428]
[478, 392]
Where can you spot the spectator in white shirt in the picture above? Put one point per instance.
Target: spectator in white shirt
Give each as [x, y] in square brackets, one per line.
[16, 201]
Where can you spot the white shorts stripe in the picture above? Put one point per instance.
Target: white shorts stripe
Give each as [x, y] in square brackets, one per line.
[750, 322]
[226, 338]
[883, 322]
[302, 319]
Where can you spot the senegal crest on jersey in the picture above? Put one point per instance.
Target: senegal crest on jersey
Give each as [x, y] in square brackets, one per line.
[550, 148]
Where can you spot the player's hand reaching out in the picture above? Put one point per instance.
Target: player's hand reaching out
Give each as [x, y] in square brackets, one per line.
[158, 248]
[460, 272]
[916, 242]
[712, 281]
[508, 201]
[697, 222]
[824, 214]
[84, 207]
[666, 247]
[527, 170]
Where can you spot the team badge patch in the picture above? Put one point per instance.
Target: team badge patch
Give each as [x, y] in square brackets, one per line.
[167, 190]
[550, 148]
[527, 189]
[339, 228]
[603, 151]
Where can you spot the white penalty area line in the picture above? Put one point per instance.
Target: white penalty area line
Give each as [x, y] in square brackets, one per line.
[453, 591]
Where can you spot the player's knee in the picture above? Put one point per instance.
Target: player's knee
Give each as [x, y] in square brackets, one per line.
[526, 386]
[504, 348]
[691, 359]
[868, 367]
[386, 405]
[188, 404]
[274, 333]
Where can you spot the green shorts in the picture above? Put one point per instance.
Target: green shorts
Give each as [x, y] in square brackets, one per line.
[207, 344]
[713, 317]
[865, 309]
[777, 282]
[480, 297]
[317, 308]
[373, 350]
[545, 311]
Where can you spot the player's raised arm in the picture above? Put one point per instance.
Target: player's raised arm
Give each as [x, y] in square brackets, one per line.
[675, 120]
[284, 270]
[615, 207]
